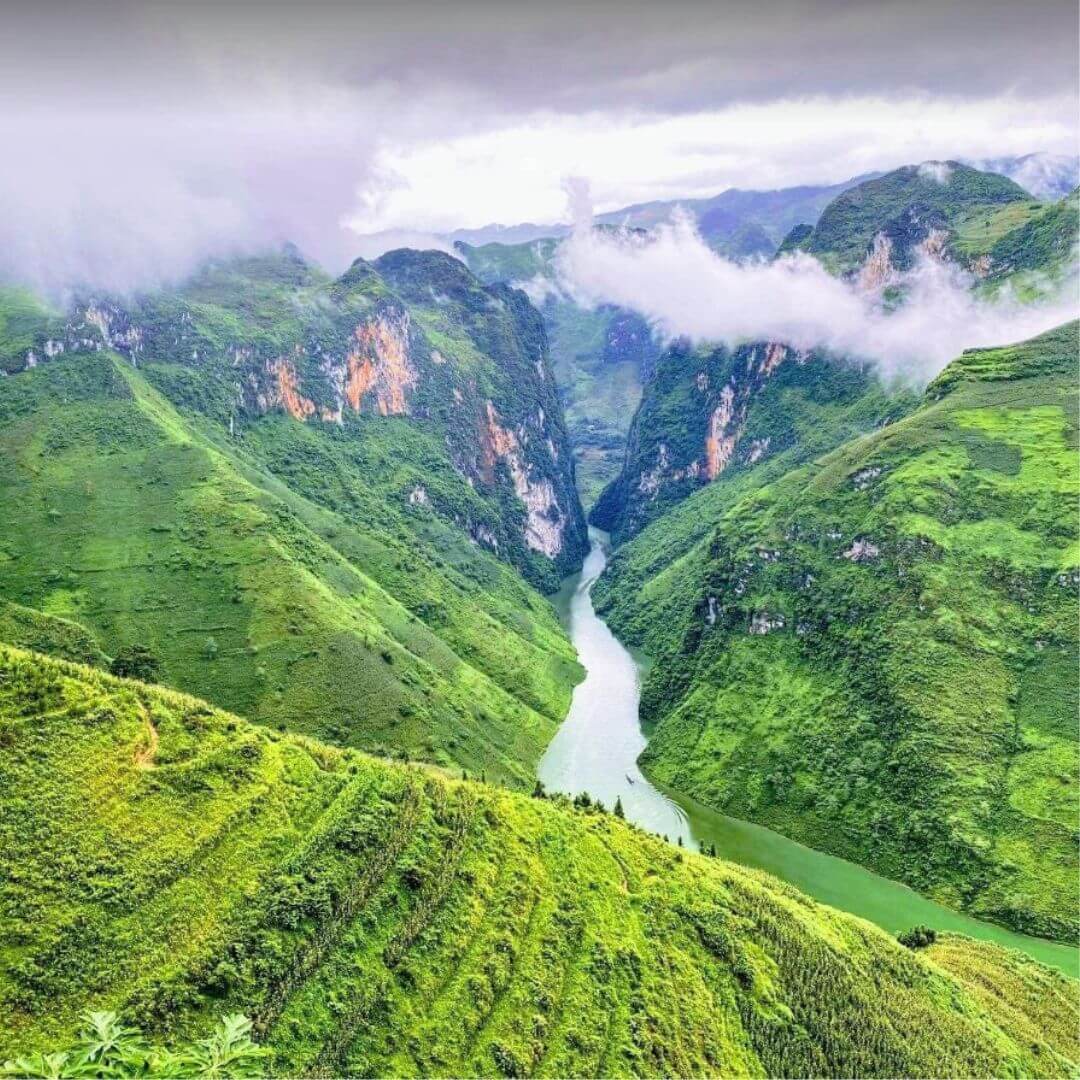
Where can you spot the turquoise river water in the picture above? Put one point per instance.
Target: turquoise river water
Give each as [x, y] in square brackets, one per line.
[596, 750]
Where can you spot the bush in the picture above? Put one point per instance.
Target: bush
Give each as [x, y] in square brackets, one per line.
[136, 662]
[918, 937]
[107, 1048]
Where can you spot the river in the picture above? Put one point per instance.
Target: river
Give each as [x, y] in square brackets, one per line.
[596, 750]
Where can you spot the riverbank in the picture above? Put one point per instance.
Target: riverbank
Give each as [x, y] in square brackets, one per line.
[596, 750]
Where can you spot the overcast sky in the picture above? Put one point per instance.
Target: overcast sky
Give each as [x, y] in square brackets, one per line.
[139, 137]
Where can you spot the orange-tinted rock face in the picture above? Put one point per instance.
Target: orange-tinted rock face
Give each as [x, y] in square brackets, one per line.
[719, 442]
[877, 270]
[502, 441]
[775, 355]
[378, 364]
[288, 390]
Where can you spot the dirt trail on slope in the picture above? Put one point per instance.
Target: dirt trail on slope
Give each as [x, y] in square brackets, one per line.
[144, 755]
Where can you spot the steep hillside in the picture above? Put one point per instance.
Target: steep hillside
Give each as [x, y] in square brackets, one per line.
[306, 537]
[1043, 245]
[413, 336]
[174, 863]
[711, 414]
[50, 634]
[601, 357]
[877, 653]
[882, 223]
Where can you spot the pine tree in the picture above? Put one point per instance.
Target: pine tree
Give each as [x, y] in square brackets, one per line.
[618, 810]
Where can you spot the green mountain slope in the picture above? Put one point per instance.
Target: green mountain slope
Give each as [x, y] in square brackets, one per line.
[877, 653]
[414, 337]
[336, 576]
[904, 209]
[173, 862]
[62, 638]
[712, 414]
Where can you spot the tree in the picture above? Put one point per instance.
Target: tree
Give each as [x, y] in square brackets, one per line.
[618, 810]
[136, 662]
[918, 937]
[538, 791]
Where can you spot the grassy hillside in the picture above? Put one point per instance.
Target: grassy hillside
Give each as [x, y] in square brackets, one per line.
[311, 598]
[877, 653]
[50, 634]
[313, 500]
[174, 863]
[709, 413]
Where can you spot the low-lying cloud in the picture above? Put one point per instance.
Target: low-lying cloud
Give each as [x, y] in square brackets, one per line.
[686, 290]
[123, 200]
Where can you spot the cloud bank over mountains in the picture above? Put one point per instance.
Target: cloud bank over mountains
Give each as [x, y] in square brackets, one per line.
[142, 137]
[686, 290]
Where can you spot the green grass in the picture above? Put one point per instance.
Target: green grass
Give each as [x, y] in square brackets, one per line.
[30, 629]
[26, 324]
[915, 710]
[175, 864]
[778, 416]
[349, 619]
[977, 230]
[323, 539]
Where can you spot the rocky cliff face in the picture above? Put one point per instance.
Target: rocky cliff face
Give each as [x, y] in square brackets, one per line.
[412, 338]
[711, 414]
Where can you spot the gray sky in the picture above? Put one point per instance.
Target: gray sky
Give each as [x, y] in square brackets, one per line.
[139, 137]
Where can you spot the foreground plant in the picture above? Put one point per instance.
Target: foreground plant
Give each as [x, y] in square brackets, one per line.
[107, 1048]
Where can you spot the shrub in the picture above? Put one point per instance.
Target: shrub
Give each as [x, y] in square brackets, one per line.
[918, 937]
[136, 662]
[106, 1047]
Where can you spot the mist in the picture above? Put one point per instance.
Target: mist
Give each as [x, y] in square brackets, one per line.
[684, 289]
[128, 200]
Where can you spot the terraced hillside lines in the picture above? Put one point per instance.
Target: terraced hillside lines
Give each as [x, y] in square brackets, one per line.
[380, 919]
[876, 654]
[122, 514]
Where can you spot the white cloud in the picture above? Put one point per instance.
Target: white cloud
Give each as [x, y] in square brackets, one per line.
[513, 169]
[674, 280]
[938, 171]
